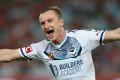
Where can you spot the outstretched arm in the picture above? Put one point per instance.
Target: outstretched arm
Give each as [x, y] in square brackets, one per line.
[7, 55]
[112, 35]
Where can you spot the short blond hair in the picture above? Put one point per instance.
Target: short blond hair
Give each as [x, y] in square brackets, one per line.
[56, 9]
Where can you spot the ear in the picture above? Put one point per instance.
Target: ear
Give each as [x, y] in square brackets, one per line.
[61, 22]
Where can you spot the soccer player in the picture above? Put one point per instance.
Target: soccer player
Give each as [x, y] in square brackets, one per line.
[67, 54]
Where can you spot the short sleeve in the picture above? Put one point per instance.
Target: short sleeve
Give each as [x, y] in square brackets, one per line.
[30, 52]
[91, 38]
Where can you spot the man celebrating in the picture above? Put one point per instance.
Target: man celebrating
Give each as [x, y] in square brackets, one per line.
[67, 54]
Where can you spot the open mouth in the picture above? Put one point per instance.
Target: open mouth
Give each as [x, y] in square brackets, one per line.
[49, 31]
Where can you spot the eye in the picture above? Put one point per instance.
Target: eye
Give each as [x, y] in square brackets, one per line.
[42, 23]
[50, 20]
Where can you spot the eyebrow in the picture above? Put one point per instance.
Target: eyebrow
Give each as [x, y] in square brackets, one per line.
[42, 22]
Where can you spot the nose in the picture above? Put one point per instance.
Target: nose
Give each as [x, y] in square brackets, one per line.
[47, 25]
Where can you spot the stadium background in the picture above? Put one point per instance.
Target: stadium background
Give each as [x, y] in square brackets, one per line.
[19, 26]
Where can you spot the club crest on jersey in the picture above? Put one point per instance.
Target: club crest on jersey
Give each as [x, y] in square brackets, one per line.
[72, 51]
[50, 55]
[28, 49]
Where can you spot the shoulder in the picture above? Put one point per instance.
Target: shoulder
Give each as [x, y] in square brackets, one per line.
[83, 35]
[41, 44]
[84, 31]
[80, 32]
[80, 35]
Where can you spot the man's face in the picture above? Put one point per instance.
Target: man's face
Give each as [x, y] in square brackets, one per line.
[51, 24]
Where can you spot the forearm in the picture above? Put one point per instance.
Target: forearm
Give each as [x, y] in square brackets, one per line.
[116, 33]
[112, 35]
[8, 54]
[118, 30]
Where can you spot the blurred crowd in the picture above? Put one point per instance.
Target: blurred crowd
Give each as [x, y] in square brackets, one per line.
[19, 26]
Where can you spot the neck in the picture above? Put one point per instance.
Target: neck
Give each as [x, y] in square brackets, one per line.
[60, 38]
